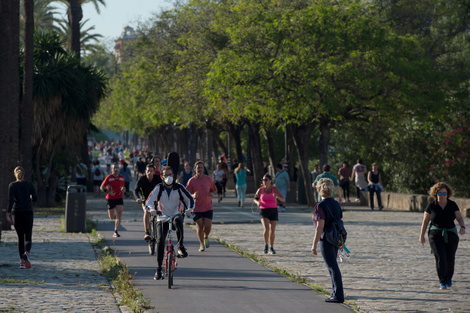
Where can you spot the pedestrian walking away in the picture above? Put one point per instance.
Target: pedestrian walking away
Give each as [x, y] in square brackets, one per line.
[240, 185]
[169, 198]
[265, 199]
[202, 188]
[358, 175]
[142, 190]
[282, 182]
[326, 212]
[114, 187]
[21, 194]
[442, 234]
[326, 174]
[219, 176]
[344, 174]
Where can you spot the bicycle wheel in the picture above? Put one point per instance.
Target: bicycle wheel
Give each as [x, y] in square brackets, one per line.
[170, 270]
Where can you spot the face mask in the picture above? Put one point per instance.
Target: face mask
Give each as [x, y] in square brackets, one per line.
[168, 180]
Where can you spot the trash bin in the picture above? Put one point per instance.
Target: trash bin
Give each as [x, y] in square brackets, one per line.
[75, 209]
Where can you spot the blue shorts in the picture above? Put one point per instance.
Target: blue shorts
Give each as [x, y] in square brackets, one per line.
[207, 214]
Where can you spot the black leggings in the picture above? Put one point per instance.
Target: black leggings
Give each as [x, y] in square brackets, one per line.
[162, 231]
[23, 222]
[444, 254]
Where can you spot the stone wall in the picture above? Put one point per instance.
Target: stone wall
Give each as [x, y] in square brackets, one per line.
[415, 202]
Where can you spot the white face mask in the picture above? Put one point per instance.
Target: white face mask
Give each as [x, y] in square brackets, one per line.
[168, 180]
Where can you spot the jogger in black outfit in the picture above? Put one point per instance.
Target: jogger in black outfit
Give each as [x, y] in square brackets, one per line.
[20, 213]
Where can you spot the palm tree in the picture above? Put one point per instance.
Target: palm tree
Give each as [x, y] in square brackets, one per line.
[66, 95]
[44, 15]
[75, 15]
[88, 42]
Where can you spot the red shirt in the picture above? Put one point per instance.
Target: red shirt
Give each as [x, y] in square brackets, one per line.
[203, 186]
[115, 183]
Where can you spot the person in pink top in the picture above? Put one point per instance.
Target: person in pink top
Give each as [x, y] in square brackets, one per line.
[265, 198]
[202, 188]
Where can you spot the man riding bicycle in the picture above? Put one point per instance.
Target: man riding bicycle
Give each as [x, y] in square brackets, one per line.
[171, 198]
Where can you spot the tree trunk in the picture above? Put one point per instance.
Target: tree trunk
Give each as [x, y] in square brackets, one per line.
[301, 136]
[9, 99]
[325, 127]
[257, 158]
[75, 15]
[26, 108]
[270, 145]
[235, 131]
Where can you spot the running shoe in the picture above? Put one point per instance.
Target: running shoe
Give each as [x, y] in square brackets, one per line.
[265, 249]
[182, 252]
[116, 234]
[158, 274]
[206, 242]
[449, 283]
[22, 265]
[26, 261]
[201, 248]
[443, 286]
[147, 236]
[272, 251]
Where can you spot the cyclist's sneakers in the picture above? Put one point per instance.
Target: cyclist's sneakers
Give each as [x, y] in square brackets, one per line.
[271, 251]
[265, 249]
[147, 236]
[158, 274]
[116, 234]
[26, 261]
[201, 248]
[182, 252]
[206, 242]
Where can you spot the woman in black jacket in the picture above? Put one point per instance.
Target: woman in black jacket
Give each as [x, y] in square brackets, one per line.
[20, 213]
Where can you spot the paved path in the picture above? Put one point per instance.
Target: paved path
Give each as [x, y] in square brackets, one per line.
[388, 270]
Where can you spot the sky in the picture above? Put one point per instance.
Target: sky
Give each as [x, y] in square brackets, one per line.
[120, 13]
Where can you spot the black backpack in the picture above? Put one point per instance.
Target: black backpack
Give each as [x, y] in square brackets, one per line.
[97, 171]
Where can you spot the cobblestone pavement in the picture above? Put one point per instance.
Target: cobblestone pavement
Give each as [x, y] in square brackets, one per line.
[388, 271]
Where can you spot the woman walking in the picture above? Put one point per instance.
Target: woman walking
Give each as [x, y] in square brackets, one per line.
[265, 198]
[443, 236]
[326, 212]
[219, 176]
[240, 185]
[20, 213]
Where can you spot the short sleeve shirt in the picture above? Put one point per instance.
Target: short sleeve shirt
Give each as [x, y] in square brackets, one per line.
[281, 180]
[204, 186]
[442, 218]
[115, 183]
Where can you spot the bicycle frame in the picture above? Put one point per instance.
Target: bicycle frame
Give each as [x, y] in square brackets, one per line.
[171, 263]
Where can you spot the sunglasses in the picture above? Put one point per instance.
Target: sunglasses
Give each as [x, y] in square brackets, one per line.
[265, 179]
[442, 193]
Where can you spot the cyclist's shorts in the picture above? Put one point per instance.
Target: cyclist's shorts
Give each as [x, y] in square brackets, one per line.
[207, 214]
[114, 202]
[271, 214]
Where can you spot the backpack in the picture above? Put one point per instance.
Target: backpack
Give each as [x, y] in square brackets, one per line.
[178, 187]
[97, 171]
[336, 234]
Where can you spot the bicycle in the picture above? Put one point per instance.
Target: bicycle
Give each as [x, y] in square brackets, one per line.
[171, 262]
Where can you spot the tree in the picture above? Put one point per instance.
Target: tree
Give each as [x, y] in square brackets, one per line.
[89, 42]
[9, 95]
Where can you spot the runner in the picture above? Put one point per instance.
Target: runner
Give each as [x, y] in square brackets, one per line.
[202, 188]
[113, 186]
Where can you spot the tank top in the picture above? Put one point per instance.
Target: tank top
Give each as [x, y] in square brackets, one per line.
[267, 200]
[374, 177]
